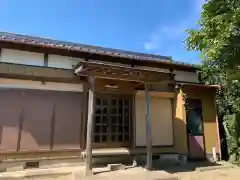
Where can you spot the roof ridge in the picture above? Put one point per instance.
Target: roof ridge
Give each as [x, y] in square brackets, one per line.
[85, 45]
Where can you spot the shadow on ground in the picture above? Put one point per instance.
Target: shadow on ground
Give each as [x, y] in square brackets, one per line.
[188, 167]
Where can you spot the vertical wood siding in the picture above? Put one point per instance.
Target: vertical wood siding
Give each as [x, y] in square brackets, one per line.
[35, 120]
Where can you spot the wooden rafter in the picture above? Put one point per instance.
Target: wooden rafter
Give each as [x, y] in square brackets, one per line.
[121, 72]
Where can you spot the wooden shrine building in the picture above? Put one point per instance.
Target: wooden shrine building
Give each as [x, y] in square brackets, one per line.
[60, 100]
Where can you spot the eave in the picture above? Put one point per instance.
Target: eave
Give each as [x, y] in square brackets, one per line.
[120, 72]
[102, 54]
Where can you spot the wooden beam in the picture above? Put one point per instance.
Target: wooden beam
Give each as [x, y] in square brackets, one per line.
[91, 109]
[33, 72]
[53, 121]
[78, 70]
[148, 129]
[103, 70]
[45, 60]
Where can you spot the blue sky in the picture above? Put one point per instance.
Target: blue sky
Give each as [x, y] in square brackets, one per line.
[151, 26]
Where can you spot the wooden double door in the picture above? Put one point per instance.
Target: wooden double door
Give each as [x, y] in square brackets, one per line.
[112, 123]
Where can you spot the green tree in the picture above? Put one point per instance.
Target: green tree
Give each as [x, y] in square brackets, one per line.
[217, 38]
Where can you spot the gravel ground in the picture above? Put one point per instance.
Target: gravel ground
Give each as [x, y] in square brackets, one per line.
[191, 171]
[221, 174]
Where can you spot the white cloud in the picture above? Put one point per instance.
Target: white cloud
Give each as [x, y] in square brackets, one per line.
[163, 35]
[154, 41]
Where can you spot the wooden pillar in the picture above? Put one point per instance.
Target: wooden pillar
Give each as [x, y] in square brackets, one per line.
[148, 129]
[91, 108]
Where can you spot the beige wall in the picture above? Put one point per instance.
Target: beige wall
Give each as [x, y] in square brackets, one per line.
[27, 84]
[207, 96]
[161, 120]
[64, 62]
[180, 130]
[22, 57]
[37, 59]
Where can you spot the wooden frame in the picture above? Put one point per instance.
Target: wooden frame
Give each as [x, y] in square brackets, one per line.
[148, 129]
[119, 72]
[108, 127]
[158, 94]
[172, 97]
[96, 70]
[91, 109]
[45, 62]
[203, 134]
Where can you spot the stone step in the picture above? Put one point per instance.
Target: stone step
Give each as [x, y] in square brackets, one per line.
[114, 167]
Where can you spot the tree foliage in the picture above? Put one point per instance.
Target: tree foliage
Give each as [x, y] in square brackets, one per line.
[218, 39]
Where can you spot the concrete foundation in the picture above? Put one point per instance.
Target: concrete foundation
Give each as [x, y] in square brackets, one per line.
[166, 159]
[101, 161]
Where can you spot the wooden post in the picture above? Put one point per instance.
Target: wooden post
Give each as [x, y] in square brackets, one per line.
[91, 105]
[148, 129]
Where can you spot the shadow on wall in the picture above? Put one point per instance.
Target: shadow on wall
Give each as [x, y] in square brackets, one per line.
[171, 164]
[224, 146]
[48, 120]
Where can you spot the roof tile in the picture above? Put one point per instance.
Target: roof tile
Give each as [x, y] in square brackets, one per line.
[18, 38]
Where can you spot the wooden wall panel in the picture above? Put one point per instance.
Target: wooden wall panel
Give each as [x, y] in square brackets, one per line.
[33, 120]
[10, 116]
[38, 112]
[68, 119]
[185, 76]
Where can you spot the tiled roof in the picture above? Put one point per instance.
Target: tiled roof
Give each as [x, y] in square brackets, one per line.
[24, 39]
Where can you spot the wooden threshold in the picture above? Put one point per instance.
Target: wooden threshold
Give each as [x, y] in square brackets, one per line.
[128, 151]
